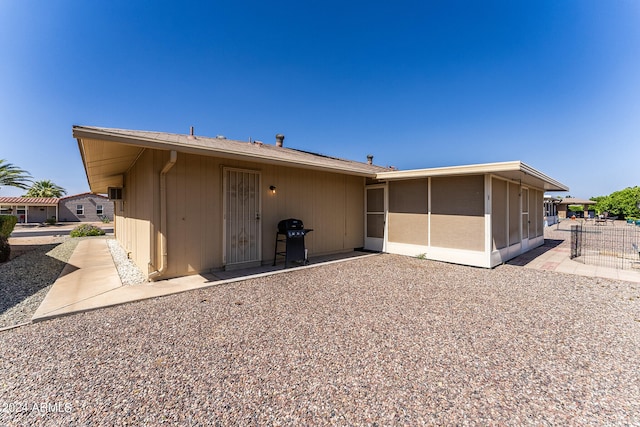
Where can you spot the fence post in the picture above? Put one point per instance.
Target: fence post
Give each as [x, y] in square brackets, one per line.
[576, 234]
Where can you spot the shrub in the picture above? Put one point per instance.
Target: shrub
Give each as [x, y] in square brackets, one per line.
[50, 221]
[105, 219]
[87, 230]
[7, 224]
[5, 249]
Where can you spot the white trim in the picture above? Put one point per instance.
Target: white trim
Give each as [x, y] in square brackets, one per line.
[477, 169]
[376, 243]
[503, 255]
[525, 242]
[429, 211]
[488, 229]
[455, 256]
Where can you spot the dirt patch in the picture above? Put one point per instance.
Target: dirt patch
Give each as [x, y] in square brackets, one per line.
[22, 245]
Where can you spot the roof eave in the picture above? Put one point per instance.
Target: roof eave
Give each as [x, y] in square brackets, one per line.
[79, 133]
[485, 168]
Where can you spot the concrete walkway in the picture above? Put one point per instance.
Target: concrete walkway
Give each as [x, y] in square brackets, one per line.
[557, 258]
[90, 279]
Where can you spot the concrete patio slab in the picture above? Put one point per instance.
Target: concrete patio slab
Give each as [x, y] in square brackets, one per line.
[91, 281]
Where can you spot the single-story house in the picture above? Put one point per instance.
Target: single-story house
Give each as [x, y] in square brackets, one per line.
[84, 207]
[188, 204]
[550, 204]
[29, 209]
[564, 212]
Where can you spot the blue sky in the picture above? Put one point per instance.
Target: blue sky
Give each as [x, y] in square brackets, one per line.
[417, 84]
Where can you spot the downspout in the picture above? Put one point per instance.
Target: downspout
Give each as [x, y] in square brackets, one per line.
[173, 157]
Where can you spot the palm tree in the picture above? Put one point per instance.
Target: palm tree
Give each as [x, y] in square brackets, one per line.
[45, 188]
[13, 176]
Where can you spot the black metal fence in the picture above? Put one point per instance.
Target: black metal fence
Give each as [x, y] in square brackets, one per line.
[606, 245]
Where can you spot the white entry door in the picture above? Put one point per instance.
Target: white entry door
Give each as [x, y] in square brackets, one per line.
[242, 210]
[375, 217]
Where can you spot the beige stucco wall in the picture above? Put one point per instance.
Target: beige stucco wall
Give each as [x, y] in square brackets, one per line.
[457, 212]
[408, 228]
[408, 219]
[330, 203]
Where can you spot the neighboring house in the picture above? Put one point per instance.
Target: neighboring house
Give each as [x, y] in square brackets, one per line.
[30, 209]
[193, 204]
[550, 204]
[85, 207]
[564, 212]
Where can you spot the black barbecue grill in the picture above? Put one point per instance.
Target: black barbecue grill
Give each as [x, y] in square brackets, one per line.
[291, 232]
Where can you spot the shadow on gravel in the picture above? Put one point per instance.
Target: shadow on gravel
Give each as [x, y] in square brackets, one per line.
[22, 278]
[526, 258]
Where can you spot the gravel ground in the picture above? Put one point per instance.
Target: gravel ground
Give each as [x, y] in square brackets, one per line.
[26, 279]
[384, 340]
[129, 273]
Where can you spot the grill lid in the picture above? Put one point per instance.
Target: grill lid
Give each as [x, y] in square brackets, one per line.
[290, 224]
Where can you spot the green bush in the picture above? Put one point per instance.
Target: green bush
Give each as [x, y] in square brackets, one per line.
[7, 224]
[5, 249]
[50, 221]
[87, 230]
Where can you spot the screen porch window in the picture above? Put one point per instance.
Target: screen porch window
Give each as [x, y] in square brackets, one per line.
[79, 210]
[21, 210]
[99, 209]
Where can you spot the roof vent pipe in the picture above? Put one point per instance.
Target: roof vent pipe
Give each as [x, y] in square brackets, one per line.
[191, 135]
[279, 140]
[370, 159]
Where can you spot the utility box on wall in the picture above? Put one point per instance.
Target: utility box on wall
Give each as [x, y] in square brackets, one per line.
[115, 193]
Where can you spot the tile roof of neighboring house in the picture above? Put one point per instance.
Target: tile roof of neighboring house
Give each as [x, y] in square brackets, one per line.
[83, 195]
[31, 201]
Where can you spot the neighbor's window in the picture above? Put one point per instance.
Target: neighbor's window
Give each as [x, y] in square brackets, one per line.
[22, 210]
[79, 210]
[99, 209]
[5, 210]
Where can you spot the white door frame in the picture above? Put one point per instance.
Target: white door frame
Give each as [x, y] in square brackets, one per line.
[524, 218]
[256, 217]
[376, 243]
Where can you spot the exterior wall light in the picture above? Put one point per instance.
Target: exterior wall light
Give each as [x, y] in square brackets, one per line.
[272, 188]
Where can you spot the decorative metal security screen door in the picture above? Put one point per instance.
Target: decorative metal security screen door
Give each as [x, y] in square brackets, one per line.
[375, 214]
[242, 234]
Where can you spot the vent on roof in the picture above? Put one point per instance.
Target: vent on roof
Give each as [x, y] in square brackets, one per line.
[279, 140]
[191, 133]
[370, 159]
[221, 137]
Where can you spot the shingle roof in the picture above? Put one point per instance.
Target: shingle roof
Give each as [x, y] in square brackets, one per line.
[31, 201]
[255, 151]
[576, 201]
[82, 195]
